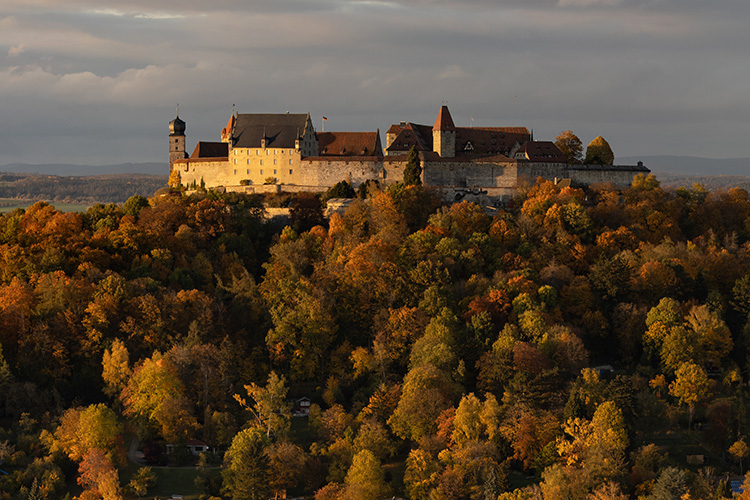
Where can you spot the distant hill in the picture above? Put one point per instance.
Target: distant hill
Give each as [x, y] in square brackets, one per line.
[69, 169]
[712, 173]
[112, 188]
[690, 165]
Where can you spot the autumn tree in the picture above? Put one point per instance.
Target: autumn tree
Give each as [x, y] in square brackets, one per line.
[286, 461]
[98, 475]
[571, 147]
[690, 386]
[156, 395]
[268, 405]
[85, 429]
[598, 152]
[596, 447]
[427, 391]
[365, 479]
[143, 479]
[175, 181]
[246, 472]
[421, 474]
[739, 450]
[116, 368]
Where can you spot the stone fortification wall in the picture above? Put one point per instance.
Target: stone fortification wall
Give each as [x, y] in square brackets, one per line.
[469, 174]
[393, 169]
[529, 171]
[214, 172]
[618, 175]
[321, 171]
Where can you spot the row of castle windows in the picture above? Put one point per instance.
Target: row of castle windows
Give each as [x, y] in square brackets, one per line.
[261, 171]
[268, 151]
[275, 162]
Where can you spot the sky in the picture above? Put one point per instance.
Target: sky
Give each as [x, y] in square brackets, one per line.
[96, 82]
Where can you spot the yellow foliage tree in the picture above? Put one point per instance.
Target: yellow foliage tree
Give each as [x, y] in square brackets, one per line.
[571, 146]
[598, 152]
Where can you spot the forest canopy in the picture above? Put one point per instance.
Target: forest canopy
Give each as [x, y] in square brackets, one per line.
[577, 343]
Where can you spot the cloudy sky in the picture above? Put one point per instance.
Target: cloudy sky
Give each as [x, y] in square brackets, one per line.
[97, 81]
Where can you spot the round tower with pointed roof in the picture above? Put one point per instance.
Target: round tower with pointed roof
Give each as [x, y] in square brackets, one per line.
[444, 134]
[176, 141]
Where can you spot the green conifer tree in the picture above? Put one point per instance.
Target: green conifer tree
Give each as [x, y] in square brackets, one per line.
[413, 169]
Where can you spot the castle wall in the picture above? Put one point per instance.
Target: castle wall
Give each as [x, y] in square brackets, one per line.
[393, 169]
[320, 171]
[619, 175]
[470, 174]
[529, 171]
[213, 172]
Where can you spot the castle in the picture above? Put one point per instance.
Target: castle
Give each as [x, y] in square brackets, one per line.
[270, 152]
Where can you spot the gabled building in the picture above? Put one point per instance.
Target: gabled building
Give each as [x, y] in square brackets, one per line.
[263, 152]
[449, 141]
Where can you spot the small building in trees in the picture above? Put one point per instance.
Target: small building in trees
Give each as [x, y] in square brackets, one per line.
[301, 407]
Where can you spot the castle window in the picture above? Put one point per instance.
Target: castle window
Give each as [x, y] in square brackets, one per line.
[235, 161]
[274, 171]
[257, 152]
[290, 162]
[282, 151]
[268, 152]
[248, 170]
[235, 171]
[261, 162]
[274, 161]
[290, 171]
[248, 161]
[261, 171]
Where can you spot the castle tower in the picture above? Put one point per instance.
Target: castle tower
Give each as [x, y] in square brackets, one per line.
[444, 134]
[176, 141]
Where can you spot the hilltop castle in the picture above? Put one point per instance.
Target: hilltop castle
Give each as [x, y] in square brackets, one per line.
[262, 152]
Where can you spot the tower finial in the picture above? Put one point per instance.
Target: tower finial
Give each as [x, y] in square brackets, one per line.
[178, 109]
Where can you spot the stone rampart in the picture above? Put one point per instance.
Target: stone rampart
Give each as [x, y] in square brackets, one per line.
[619, 175]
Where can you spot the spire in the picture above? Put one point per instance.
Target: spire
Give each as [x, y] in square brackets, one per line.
[444, 121]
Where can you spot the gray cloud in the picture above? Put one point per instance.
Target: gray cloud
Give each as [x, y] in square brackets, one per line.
[100, 84]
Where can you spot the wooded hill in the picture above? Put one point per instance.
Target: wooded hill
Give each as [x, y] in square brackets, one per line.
[114, 188]
[447, 354]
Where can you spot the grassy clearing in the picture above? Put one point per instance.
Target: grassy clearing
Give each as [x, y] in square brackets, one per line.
[170, 481]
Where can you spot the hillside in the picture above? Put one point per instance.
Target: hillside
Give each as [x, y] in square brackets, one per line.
[581, 341]
[84, 170]
[113, 188]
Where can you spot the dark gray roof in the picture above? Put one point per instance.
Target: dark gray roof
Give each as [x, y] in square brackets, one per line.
[280, 130]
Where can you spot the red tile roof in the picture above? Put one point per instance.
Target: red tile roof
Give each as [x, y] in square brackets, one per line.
[210, 150]
[489, 141]
[444, 120]
[411, 134]
[226, 132]
[350, 144]
[540, 152]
